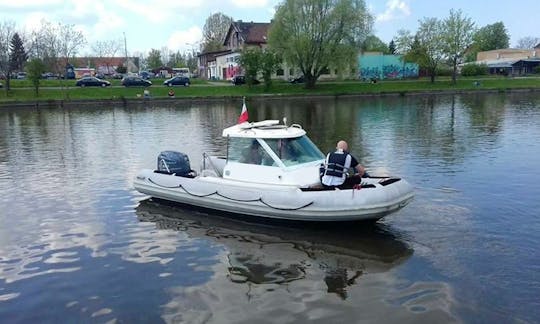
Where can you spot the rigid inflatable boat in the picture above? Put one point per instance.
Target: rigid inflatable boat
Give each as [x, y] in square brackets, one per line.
[270, 170]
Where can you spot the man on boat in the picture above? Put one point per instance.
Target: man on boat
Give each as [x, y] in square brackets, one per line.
[336, 167]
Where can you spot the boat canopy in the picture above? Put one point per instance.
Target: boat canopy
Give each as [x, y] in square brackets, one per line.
[264, 129]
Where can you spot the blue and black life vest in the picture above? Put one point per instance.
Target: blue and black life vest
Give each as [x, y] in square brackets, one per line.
[336, 164]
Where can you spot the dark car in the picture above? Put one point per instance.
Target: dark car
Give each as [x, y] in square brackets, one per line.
[92, 82]
[240, 79]
[299, 79]
[134, 81]
[177, 80]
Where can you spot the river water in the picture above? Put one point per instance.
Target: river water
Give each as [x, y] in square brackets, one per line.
[78, 244]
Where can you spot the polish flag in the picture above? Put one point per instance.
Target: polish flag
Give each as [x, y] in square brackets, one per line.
[243, 115]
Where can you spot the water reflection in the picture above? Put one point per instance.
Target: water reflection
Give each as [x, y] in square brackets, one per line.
[270, 253]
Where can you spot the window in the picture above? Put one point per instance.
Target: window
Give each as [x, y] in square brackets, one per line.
[292, 151]
[280, 72]
[247, 150]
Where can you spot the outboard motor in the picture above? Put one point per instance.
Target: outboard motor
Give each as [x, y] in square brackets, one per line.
[173, 162]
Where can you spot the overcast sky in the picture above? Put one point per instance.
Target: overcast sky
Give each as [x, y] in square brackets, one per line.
[177, 24]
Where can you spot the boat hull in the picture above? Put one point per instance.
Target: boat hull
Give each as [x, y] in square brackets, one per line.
[377, 198]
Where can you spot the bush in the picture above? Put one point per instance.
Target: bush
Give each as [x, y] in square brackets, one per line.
[474, 69]
[444, 71]
[537, 69]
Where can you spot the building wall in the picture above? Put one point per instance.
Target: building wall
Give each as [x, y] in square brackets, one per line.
[385, 67]
[507, 54]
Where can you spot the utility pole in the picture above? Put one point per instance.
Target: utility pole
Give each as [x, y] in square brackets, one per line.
[125, 50]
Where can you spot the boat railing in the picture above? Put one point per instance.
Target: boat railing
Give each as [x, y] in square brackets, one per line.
[209, 160]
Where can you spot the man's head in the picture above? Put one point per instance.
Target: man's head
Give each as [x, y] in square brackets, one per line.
[342, 145]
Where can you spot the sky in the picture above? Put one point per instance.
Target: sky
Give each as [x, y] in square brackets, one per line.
[178, 24]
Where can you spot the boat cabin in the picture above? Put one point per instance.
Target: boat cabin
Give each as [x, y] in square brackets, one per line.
[270, 153]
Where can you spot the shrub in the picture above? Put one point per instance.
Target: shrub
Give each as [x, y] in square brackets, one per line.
[474, 69]
[537, 69]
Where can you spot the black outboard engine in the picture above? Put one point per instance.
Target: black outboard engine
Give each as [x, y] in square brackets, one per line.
[173, 162]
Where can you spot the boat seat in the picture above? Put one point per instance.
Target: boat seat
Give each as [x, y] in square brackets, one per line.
[208, 173]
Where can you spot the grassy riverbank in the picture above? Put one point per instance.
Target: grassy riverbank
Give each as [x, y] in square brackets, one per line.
[65, 90]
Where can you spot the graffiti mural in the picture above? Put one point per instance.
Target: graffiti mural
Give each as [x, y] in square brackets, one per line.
[385, 67]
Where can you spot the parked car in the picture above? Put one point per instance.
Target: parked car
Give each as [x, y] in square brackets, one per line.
[92, 82]
[146, 75]
[177, 80]
[21, 75]
[48, 76]
[241, 79]
[134, 81]
[299, 79]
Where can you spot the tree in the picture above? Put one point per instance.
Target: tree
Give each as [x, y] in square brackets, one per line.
[106, 50]
[528, 42]
[458, 32]
[431, 51]
[315, 35]
[35, 68]
[214, 31]
[17, 54]
[392, 47]
[154, 59]
[7, 30]
[404, 41]
[269, 63]
[373, 43]
[56, 45]
[250, 61]
[488, 38]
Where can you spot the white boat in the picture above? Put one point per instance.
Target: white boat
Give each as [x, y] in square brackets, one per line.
[280, 181]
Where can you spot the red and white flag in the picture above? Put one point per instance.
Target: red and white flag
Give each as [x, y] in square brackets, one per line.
[243, 115]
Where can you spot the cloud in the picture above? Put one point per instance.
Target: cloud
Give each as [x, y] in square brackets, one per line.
[394, 9]
[185, 40]
[250, 3]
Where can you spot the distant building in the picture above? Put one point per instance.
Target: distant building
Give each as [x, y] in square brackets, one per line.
[106, 65]
[510, 61]
[375, 65]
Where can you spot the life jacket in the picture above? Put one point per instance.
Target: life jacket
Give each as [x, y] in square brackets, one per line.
[337, 164]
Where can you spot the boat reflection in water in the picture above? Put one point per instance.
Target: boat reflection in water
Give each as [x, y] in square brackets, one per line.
[280, 253]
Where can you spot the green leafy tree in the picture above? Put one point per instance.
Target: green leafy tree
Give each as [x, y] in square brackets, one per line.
[269, 63]
[431, 49]
[250, 61]
[34, 69]
[392, 47]
[373, 43]
[403, 41]
[121, 69]
[458, 31]
[215, 29]
[317, 35]
[17, 54]
[154, 59]
[487, 38]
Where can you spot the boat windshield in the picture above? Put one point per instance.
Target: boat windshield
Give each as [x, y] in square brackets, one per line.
[293, 151]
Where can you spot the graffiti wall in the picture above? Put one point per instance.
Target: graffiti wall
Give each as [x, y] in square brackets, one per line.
[385, 67]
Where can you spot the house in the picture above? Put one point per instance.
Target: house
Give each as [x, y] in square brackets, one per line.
[106, 65]
[510, 61]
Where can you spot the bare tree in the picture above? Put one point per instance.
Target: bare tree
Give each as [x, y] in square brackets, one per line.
[528, 42]
[214, 31]
[7, 30]
[56, 45]
[106, 52]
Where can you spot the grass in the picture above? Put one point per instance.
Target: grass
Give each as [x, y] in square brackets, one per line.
[22, 91]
